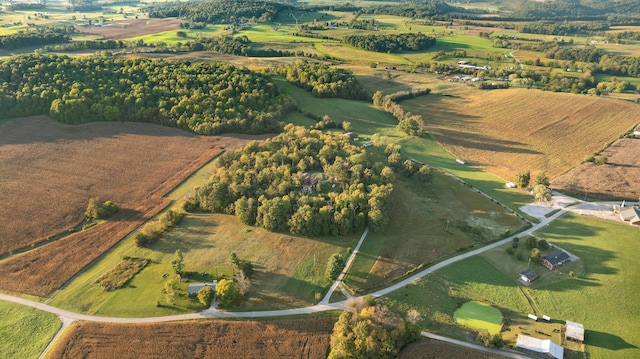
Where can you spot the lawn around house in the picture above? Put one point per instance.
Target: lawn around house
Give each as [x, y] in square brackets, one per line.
[25, 331]
[605, 298]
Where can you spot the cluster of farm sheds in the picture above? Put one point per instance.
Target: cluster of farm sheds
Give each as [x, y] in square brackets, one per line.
[546, 347]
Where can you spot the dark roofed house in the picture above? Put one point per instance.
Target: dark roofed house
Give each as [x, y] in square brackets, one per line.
[555, 260]
[528, 276]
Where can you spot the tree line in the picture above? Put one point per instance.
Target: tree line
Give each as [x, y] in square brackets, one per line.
[270, 185]
[36, 38]
[206, 98]
[322, 80]
[407, 122]
[391, 43]
[220, 11]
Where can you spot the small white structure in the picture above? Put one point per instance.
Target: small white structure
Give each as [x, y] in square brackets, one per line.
[510, 185]
[546, 317]
[531, 316]
[575, 331]
[636, 133]
[544, 346]
[459, 161]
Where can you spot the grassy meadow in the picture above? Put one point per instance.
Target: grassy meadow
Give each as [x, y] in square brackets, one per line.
[605, 298]
[25, 331]
[600, 295]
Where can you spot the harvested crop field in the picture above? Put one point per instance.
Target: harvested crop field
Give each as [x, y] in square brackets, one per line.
[435, 349]
[292, 338]
[507, 131]
[125, 29]
[616, 180]
[49, 172]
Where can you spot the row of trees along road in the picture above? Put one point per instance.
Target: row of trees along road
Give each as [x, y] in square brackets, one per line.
[267, 186]
[206, 98]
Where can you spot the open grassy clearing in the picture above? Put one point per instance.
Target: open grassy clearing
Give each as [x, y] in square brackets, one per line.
[273, 33]
[171, 37]
[614, 180]
[25, 331]
[604, 299]
[344, 52]
[132, 28]
[438, 295]
[306, 337]
[430, 222]
[514, 130]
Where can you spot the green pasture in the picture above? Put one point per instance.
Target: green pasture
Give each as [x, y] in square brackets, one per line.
[479, 316]
[275, 33]
[512, 267]
[25, 331]
[605, 298]
[171, 37]
[437, 296]
[424, 228]
[345, 52]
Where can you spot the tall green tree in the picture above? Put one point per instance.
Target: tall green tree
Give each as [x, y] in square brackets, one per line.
[227, 293]
[177, 263]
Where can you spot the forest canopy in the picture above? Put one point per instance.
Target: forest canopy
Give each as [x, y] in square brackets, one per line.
[277, 185]
[206, 98]
[323, 81]
[220, 11]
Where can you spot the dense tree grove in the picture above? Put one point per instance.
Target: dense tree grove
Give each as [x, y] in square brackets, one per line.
[547, 27]
[373, 331]
[220, 11]
[269, 186]
[35, 38]
[391, 43]
[204, 98]
[415, 9]
[323, 81]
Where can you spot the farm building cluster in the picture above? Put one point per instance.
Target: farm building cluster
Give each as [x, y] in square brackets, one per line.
[546, 347]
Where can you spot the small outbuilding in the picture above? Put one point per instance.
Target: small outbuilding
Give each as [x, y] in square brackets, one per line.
[528, 276]
[194, 288]
[574, 331]
[555, 260]
[542, 346]
[631, 215]
[351, 135]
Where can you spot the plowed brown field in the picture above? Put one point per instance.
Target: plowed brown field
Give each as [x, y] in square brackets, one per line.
[618, 179]
[435, 349]
[513, 130]
[125, 29]
[294, 338]
[49, 172]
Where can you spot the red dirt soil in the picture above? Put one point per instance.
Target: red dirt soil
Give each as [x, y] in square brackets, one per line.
[292, 338]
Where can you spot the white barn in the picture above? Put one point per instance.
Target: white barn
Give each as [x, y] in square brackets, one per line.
[544, 346]
[575, 331]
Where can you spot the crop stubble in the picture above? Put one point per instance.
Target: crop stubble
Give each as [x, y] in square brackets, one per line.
[50, 170]
[291, 338]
